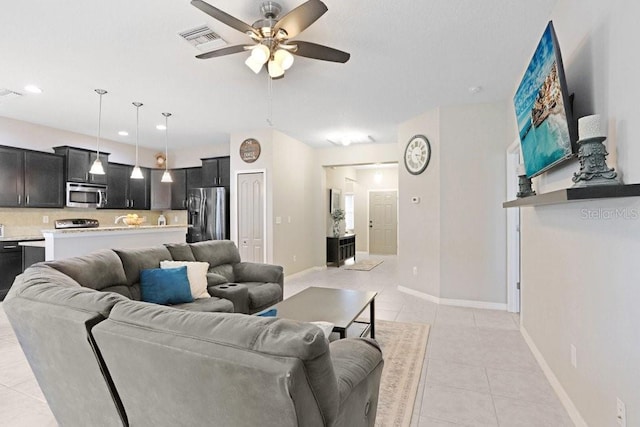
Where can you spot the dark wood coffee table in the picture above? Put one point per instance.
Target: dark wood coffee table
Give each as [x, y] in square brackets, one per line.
[338, 306]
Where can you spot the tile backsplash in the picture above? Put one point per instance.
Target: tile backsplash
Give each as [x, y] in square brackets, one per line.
[31, 221]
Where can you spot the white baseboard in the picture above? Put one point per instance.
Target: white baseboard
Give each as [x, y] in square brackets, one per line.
[573, 412]
[454, 302]
[303, 272]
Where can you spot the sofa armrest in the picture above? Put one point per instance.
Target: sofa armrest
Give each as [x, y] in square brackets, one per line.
[356, 361]
[256, 272]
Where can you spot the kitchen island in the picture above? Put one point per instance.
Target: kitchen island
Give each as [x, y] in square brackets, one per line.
[65, 243]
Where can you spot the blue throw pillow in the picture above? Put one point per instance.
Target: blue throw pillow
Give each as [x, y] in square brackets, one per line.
[165, 285]
[269, 313]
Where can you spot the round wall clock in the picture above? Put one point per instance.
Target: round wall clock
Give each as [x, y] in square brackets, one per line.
[417, 154]
[249, 150]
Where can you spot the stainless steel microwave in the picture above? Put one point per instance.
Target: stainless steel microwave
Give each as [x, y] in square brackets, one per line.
[81, 195]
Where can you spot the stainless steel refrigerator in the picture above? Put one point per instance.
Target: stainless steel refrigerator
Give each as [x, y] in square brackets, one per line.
[207, 214]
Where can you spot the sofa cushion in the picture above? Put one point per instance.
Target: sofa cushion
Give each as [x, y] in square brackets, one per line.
[209, 305]
[235, 359]
[180, 251]
[216, 252]
[165, 285]
[134, 260]
[97, 270]
[52, 316]
[224, 270]
[197, 274]
[263, 294]
[214, 279]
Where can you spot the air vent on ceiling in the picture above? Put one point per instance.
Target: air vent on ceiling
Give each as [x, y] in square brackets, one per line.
[203, 38]
[8, 94]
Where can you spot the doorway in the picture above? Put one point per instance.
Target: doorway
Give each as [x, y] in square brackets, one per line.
[251, 217]
[383, 222]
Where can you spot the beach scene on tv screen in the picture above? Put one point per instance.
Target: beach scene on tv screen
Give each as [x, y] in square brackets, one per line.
[540, 110]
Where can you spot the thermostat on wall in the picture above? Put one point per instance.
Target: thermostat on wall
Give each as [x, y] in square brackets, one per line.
[415, 199]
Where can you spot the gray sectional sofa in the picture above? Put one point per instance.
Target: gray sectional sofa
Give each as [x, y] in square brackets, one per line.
[235, 286]
[104, 358]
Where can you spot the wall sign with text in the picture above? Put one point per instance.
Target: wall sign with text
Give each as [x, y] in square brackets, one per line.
[250, 150]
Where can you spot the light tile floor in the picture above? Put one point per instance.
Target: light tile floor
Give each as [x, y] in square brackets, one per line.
[478, 370]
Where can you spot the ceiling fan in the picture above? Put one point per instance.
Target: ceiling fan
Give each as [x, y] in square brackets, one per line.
[272, 36]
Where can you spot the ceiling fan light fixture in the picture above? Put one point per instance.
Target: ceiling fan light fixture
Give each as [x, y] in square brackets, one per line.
[275, 70]
[260, 53]
[283, 58]
[255, 66]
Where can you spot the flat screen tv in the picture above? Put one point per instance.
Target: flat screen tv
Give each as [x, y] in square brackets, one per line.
[543, 109]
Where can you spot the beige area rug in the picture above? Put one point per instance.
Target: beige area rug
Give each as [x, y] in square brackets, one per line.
[403, 349]
[365, 265]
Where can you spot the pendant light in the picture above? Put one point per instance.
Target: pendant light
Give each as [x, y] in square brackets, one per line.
[96, 167]
[136, 173]
[166, 176]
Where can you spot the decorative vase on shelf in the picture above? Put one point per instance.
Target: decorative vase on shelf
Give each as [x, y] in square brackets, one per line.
[336, 228]
[337, 215]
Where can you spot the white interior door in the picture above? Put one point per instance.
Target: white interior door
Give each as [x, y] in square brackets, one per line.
[251, 222]
[383, 222]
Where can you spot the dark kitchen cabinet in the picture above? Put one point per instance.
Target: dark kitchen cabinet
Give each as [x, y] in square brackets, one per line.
[184, 179]
[123, 192]
[78, 163]
[10, 265]
[11, 177]
[216, 171]
[194, 177]
[179, 189]
[43, 180]
[31, 179]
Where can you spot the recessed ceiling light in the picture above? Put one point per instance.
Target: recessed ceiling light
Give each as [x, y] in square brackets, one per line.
[123, 133]
[475, 89]
[32, 89]
[346, 139]
[161, 127]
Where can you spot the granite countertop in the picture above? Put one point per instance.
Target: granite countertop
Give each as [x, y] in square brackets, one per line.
[20, 238]
[33, 243]
[115, 228]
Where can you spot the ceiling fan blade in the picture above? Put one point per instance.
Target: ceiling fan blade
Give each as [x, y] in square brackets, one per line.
[300, 18]
[224, 17]
[318, 51]
[221, 52]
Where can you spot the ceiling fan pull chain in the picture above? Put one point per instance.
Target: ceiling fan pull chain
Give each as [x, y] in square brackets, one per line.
[270, 100]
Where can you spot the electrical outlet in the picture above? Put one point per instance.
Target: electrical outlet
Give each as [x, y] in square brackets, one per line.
[621, 413]
[574, 360]
[175, 219]
[289, 219]
[295, 258]
[45, 219]
[415, 271]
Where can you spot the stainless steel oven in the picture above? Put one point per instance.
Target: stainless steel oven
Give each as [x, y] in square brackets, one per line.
[86, 195]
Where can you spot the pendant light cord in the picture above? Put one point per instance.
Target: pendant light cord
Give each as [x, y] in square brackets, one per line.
[137, 127]
[99, 123]
[270, 100]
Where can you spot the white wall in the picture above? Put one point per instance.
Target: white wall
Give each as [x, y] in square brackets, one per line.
[295, 203]
[16, 133]
[455, 237]
[472, 185]
[580, 283]
[419, 224]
